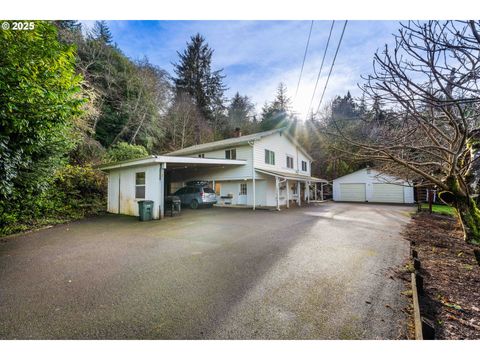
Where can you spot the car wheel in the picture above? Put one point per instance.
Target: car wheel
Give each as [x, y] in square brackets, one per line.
[194, 204]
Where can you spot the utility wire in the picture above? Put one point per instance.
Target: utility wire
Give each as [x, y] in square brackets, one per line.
[331, 67]
[303, 62]
[321, 67]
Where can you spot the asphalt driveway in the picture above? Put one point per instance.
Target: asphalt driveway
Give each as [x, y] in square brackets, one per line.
[321, 272]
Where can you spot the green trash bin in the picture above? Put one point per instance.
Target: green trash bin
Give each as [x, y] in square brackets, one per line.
[145, 210]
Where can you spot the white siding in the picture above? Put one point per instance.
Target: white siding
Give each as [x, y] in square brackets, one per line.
[282, 146]
[244, 152]
[369, 178]
[113, 196]
[233, 187]
[126, 196]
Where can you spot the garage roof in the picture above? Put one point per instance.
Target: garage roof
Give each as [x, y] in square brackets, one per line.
[172, 160]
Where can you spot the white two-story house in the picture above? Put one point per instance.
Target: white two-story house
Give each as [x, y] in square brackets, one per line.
[267, 169]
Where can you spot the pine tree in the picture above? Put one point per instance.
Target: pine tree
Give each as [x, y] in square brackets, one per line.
[277, 114]
[72, 25]
[240, 112]
[101, 32]
[282, 101]
[195, 78]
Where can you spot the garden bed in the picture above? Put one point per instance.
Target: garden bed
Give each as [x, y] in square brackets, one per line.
[451, 276]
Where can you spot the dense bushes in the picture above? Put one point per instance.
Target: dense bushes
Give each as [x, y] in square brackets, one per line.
[41, 105]
[124, 151]
[75, 191]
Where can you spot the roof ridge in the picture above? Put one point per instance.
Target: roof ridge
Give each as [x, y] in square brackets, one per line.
[227, 140]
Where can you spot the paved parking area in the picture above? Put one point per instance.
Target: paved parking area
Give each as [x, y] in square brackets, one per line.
[321, 272]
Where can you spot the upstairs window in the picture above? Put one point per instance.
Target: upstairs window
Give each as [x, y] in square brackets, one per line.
[304, 165]
[269, 157]
[140, 185]
[289, 162]
[231, 154]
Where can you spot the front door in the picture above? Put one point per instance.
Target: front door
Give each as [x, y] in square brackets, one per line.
[242, 194]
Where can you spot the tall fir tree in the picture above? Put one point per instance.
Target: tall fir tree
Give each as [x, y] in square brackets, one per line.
[102, 32]
[240, 113]
[194, 76]
[277, 114]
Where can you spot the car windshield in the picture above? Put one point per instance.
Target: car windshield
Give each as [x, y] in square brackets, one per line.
[208, 190]
[180, 191]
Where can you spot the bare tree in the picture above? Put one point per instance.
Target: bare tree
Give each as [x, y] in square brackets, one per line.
[180, 123]
[429, 85]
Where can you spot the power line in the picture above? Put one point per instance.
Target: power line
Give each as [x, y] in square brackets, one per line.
[331, 67]
[321, 67]
[303, 62]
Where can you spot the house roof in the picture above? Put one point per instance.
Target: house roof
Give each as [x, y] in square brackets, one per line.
[290, 176]
[222, 144]
[158, 159]
[376, 172]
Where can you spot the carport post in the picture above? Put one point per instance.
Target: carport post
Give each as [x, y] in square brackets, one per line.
[315, 194]
[252, 144]
[299, 194]
[288, 200]
[162, 189]
[277, 189]
[321, 191]
[307, 184]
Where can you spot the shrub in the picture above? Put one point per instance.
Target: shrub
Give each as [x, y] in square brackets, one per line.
[125, 151]
[74, 192]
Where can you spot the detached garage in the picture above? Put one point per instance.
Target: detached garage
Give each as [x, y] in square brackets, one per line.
[369, 185]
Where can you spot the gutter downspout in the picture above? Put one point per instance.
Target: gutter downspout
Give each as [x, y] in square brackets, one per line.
[252, 144]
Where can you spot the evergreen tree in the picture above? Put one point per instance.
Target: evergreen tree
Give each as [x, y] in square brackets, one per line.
[72, 25]
[101, 32]
[195, 78]
[344, 107]
[277, 114]
[240, 112]
[282, 101]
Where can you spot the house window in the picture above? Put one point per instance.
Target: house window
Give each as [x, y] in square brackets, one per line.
[269, 157]
[294, 190]
[289, 162]
[201, 155]
[140, 185]
[231, 154]
[304, 165]
[243, 189]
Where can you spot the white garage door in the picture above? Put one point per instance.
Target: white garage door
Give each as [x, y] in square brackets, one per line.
[352, 192]
[387, 193]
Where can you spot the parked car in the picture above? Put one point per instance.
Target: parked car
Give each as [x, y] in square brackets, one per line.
[196, 195]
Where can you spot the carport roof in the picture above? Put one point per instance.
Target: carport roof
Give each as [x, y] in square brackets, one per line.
[290, 176]
[173, 160]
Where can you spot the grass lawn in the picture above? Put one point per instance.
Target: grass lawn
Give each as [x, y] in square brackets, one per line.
[441, 209]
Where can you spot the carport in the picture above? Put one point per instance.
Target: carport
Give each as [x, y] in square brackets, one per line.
[148, 178]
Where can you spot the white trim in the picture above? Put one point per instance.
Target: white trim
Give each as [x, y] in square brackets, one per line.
[171, 159]
[296, 177]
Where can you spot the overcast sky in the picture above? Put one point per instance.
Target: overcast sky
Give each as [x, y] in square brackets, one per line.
[257, 55]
